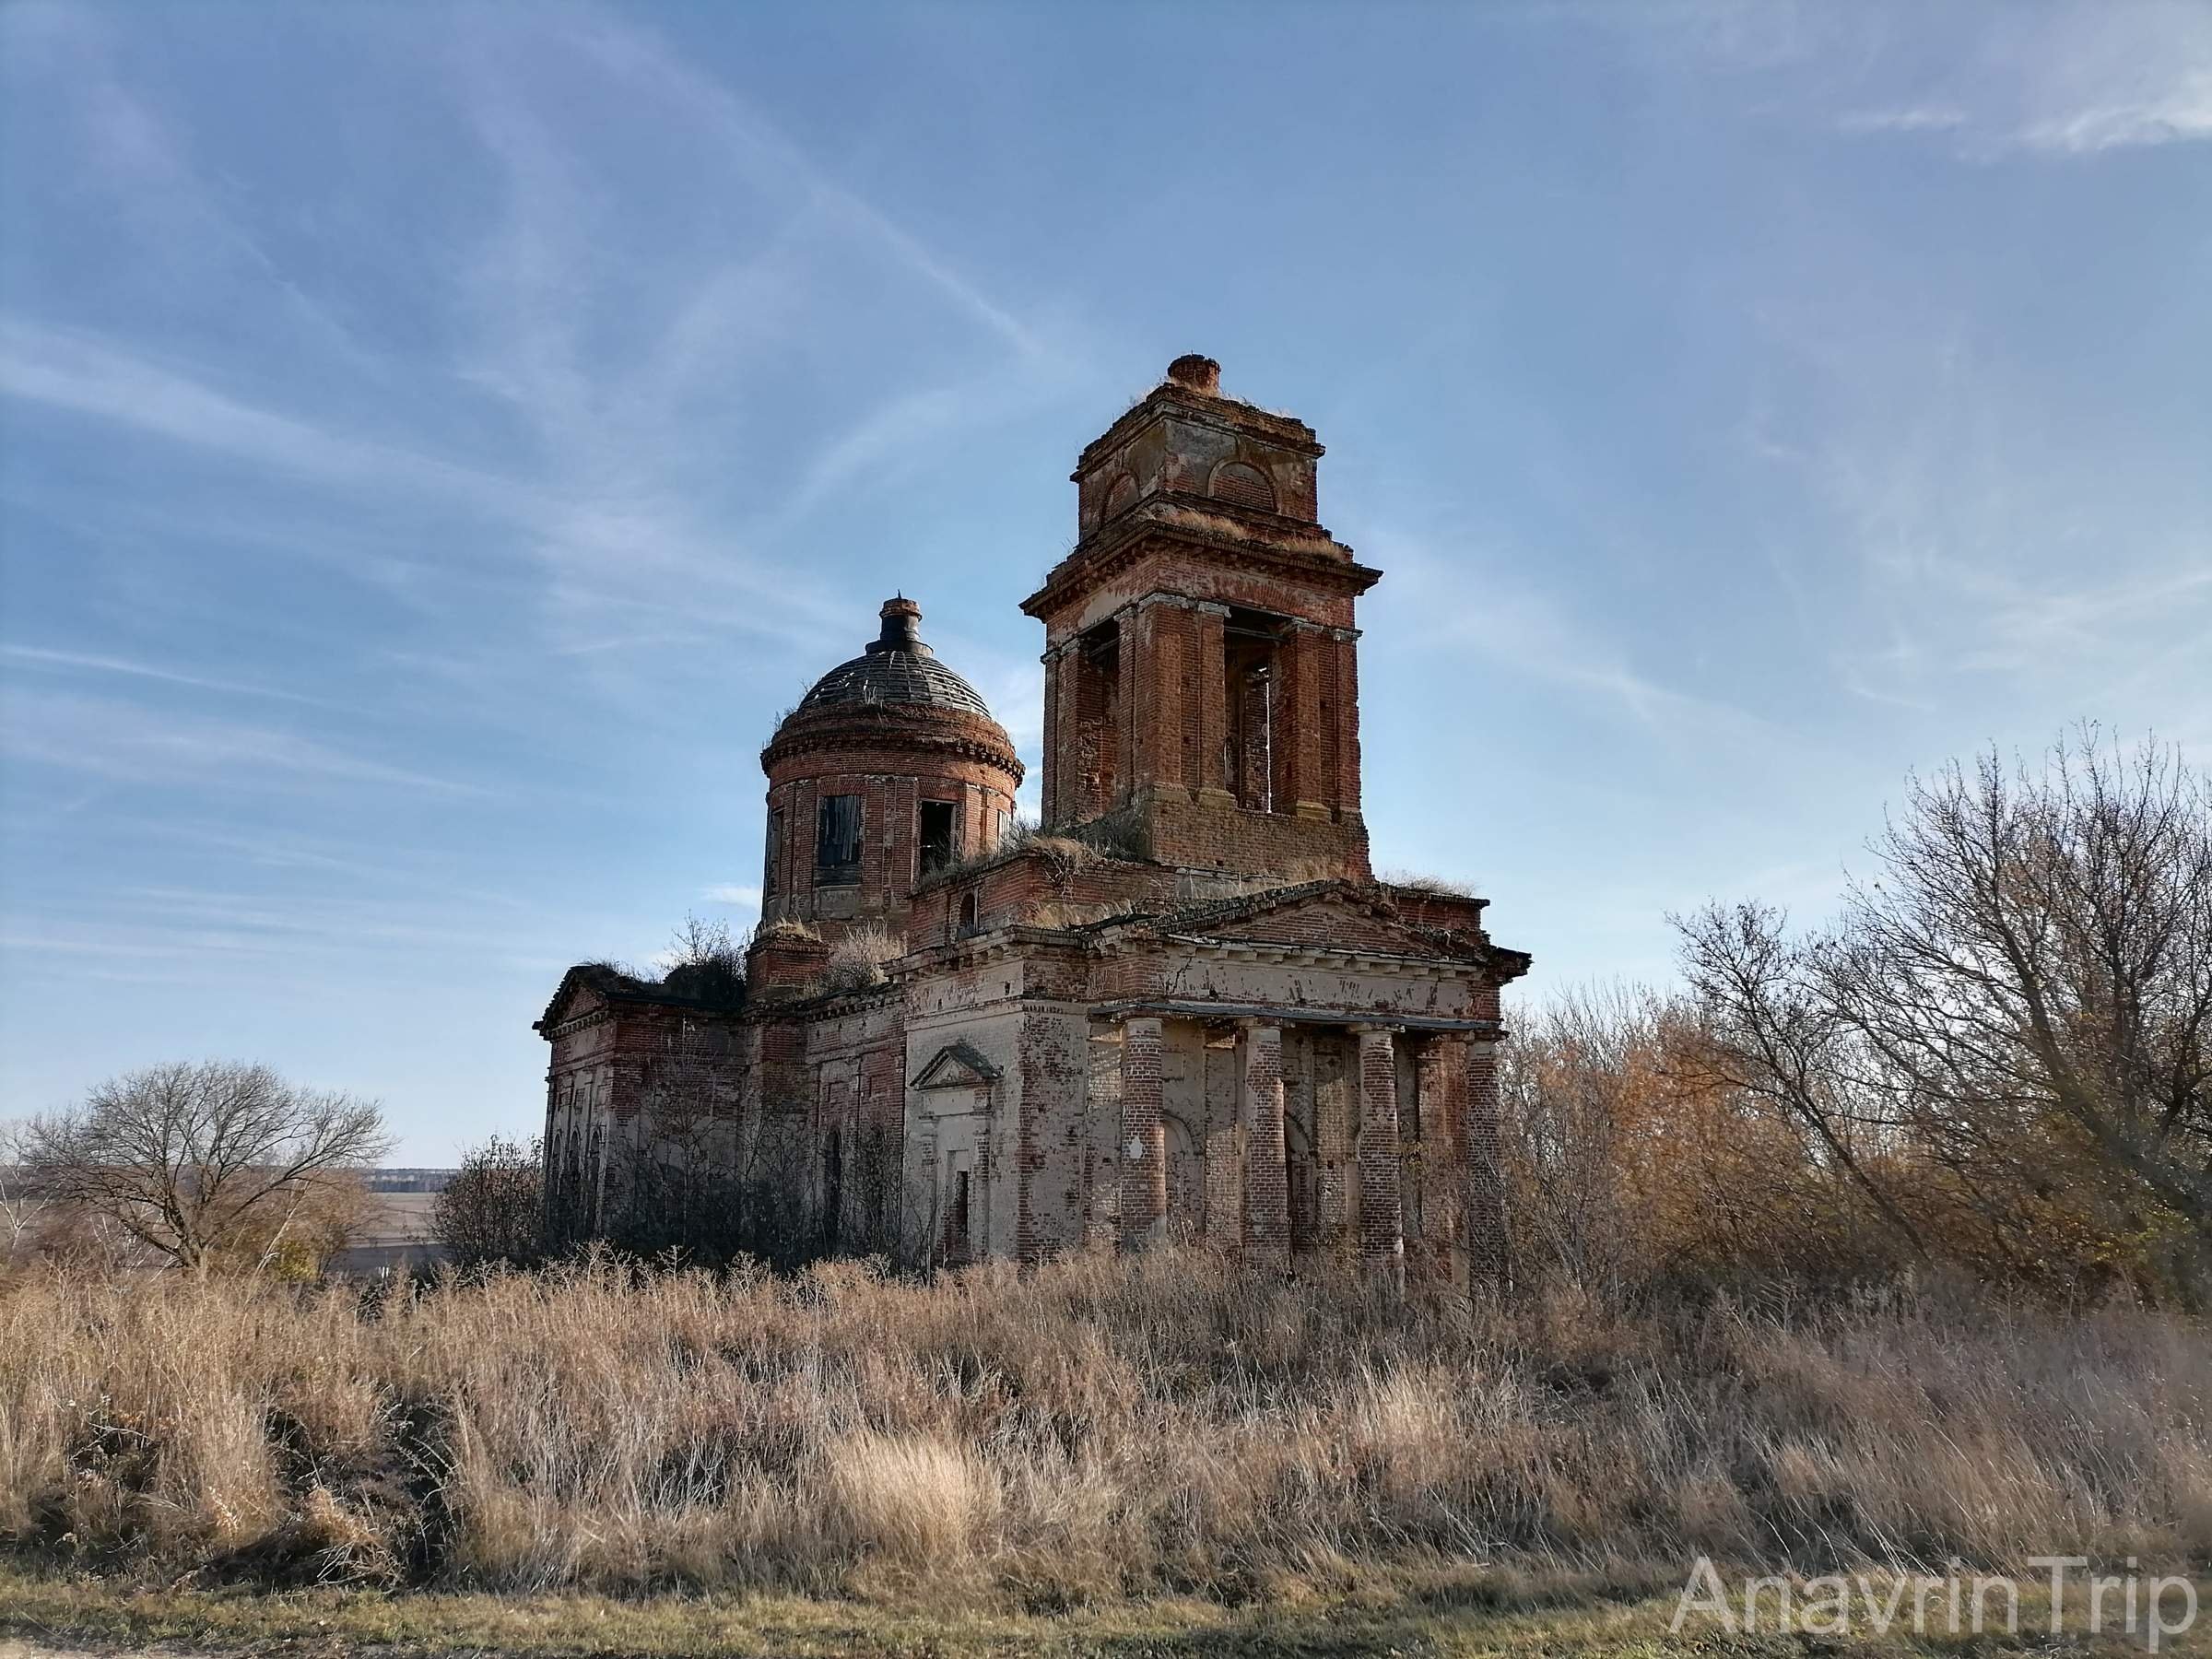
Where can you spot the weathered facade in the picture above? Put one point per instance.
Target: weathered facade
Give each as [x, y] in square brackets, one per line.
[1187, 1011]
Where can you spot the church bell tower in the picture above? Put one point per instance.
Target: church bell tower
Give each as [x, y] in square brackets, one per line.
[1201, 660]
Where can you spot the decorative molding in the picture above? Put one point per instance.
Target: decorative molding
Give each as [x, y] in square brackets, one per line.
[1351, 1019]
[958, 1065]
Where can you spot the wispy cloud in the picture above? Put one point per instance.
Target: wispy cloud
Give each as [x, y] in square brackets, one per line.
[83, 374]
[1465, 604]
[134, 742]
[1990, 80]
[97, 664]
[2065, 80]
[637, 56]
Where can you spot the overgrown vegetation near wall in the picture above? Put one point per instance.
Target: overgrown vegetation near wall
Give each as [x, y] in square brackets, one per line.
[1099, 1427]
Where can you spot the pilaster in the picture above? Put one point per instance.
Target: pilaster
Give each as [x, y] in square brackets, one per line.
[1381, 1206]
[1143, 1148]
[1267, 1169]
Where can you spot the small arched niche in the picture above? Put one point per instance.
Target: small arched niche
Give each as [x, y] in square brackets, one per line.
[1244, 485]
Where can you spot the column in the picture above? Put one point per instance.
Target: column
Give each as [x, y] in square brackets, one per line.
[1049, 796]
[1143, 1147]
[1487, 1255]
[1348, 721]
[1311, 793]
[1382, 1222]
[1441, 1077]
[1335, 1122]
[1266, 1167]
[1222, 1081]
[1211, 672]
[1101, 1142]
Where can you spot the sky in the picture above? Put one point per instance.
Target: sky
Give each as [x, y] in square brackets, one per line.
[436, 441]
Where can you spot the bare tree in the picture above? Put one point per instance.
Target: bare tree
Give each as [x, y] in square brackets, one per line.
[219, 1162]
[2032, 967]
[1775, 1032]
[492, 1210]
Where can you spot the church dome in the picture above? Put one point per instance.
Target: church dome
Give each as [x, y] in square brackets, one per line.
[897, 667]
[895, 691]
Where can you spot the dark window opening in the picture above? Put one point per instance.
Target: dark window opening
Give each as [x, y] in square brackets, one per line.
[837, 841]
[1098, 670]
[936, 835]
[1256, 708]
[968, 924]
[771, 877]
[955, 1219]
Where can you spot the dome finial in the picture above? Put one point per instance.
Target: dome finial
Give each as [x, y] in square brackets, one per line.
[1196, 372]
[902, 624]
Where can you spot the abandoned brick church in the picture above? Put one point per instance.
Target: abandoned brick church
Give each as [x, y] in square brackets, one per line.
[1185, 1009]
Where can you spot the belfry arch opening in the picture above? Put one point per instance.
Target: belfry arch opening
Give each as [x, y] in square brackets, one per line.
[1254, 735]
[1098, 659]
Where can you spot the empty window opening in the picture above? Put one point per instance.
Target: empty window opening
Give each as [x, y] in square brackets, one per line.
[968, 924]
[955, 1219]
[1098, 719]
[771, 877]
[935, 835]
[837, 841]
[1253, 702]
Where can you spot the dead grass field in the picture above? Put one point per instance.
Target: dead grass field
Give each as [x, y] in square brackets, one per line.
[1148, 1455]
[1459, 1612]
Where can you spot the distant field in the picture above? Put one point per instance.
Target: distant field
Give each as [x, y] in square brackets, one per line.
[396, 1237]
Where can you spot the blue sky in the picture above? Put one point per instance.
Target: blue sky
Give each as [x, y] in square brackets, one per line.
[438, 441]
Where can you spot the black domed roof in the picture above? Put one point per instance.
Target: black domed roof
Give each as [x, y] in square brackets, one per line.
[897, 667]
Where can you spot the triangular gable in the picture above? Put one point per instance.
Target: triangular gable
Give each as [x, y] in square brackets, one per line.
[576, 995]
[1320, 925]
[957, 1065]
[1324, 915]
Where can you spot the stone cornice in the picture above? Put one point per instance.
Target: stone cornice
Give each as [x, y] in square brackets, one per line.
[1394, 964]
[1229, 415]
[843, 730]
[568, 1028]
[1134, 533]
[1013, 940]
[1152, 1007]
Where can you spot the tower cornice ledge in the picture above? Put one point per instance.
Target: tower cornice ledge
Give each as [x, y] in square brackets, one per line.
[1137, 532]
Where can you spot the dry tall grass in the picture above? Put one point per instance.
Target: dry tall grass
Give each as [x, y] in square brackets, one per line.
[1095, 1428]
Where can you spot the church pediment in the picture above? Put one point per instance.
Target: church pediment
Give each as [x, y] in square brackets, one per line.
[576, 996]
[957, 1065]
[1319, 916]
